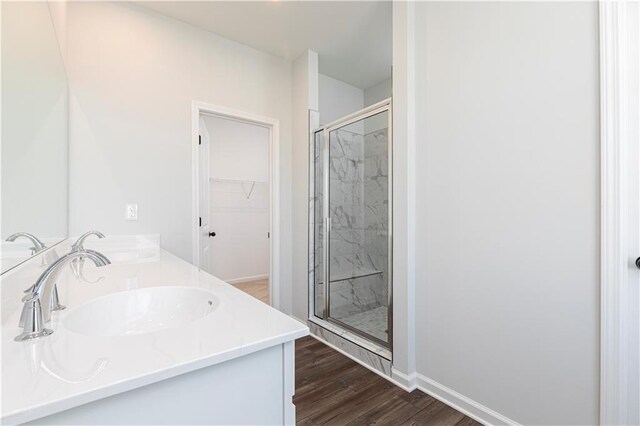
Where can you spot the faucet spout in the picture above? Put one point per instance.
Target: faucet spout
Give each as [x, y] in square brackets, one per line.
[42, 296]
[37, 244]
[51, 273]
[78, 245]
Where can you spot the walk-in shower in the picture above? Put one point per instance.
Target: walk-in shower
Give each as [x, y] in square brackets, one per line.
[350, 226]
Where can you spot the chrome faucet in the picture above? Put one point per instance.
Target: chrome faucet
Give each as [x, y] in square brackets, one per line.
[37, 244]
[43, 296]
[78, 245]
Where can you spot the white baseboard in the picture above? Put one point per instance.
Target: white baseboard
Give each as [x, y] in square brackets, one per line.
[462, 403]
[247, 279]
[413, 381]
[406, 382]
[453, 399]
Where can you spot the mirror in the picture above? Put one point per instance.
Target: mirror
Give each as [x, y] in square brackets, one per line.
[34, 133]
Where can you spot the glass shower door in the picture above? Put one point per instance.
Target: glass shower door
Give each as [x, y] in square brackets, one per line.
[358, 212]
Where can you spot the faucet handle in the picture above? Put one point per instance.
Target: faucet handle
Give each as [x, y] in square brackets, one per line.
[32, 323]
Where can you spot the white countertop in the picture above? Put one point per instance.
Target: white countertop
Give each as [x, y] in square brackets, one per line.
[67, 369]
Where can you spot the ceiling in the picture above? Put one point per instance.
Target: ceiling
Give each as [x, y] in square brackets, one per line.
[352, 38]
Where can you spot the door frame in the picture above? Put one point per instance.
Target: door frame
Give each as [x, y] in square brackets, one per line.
[616, 117]
[326, 321]
[273, 125]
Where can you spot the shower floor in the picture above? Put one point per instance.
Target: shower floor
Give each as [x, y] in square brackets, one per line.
[373, 322]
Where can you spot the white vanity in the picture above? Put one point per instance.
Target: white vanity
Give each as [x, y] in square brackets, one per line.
[148, 339]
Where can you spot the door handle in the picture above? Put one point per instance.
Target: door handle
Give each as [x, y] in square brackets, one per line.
[638, 263]
[212, 234]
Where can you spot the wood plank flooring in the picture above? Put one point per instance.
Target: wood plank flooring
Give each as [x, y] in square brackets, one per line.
[258, 289]
[331, 389]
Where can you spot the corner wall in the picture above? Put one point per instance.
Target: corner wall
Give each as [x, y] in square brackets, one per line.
[337, 99]
[403, 140]
[305, 117]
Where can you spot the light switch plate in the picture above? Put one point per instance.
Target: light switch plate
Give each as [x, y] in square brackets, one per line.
[132, 212]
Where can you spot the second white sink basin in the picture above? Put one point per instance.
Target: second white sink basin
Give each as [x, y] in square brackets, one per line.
[141, 311]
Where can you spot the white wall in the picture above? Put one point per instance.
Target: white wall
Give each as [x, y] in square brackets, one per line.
[133, 76]
[58, 10]
[34, 123]
[238, 150]
[238, 199]
[507, 140]
[403, 202]
[377, 93]
[372, 95]
[337, 98]
[305, 118]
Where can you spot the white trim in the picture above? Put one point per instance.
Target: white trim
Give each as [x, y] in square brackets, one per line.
[409, 383]
[289, 382]
[247, 279]
[404, 187]
[615, 142]
[461, 403]
[406, 382]
[411, 191]
[273, 125]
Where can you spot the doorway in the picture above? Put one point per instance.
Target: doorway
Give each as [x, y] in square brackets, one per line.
[234, 199]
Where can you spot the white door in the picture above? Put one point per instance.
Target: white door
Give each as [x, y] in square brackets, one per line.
[620, 124]
[633, 289]
[633, 221]
[203, 165]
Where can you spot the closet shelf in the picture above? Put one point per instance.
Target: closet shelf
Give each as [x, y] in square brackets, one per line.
[241, 182]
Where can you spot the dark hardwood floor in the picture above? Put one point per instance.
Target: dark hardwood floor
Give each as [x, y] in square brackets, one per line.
[331, 389]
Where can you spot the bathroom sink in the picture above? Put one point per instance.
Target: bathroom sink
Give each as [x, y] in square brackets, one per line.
[141, 311]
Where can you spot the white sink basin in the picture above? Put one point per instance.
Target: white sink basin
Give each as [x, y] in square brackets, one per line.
[141, 311]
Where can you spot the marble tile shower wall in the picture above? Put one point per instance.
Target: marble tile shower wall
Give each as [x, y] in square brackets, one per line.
[376, 211]
[358, 208]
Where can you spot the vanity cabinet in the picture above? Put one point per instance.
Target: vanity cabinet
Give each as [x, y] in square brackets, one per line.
[255, 389]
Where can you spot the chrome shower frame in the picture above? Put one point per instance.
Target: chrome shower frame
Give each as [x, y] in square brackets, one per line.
[326, 321]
